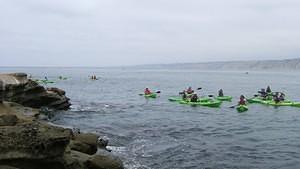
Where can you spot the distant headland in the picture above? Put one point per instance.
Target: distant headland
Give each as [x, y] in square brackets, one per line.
[286, 64]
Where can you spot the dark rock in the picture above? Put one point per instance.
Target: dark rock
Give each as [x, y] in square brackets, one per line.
[33, 146]
[57, 90]
[85, 143]
[1, 91]
[8, 120]
[76, 159]
[104, 162]
[7, 167]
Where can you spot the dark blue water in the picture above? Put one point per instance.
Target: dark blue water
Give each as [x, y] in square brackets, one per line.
[158, 134]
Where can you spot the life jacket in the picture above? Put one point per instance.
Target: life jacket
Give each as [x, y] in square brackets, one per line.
[242, 102]
[147, 91]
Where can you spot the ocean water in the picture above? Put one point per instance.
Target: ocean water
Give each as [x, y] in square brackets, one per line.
[158, 134]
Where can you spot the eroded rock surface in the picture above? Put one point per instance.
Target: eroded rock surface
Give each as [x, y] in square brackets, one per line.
[18, 88]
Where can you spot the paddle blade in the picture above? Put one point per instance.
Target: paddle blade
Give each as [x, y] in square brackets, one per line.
[199, 88]
[158, 92]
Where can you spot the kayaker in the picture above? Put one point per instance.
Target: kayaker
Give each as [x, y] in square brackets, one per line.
[242, 100]
[46, 78]
[269, 90]
[276, 97]
[281, 97]
[221, 94]
[194, 98]
[184, 96]
[147, 91]
[190, 90]
[263, 93]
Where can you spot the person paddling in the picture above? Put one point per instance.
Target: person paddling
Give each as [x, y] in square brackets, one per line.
[221, 94]
[269, 89]
[242, 100]
[190, 90]
[184, 96]
[263, 94]
[281, 97]
[194, 98]
[147, 91]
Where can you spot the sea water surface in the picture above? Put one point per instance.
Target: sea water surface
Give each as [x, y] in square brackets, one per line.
[158, 134]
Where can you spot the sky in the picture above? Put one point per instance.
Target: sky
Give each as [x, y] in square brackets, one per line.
[132, 32]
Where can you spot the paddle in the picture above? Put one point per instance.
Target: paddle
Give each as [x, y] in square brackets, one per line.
[233, 106]
[211, 95]
[199, 88]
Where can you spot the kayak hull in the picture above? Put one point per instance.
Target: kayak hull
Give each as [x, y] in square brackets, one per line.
[211, 103]
[224, 98]
[178, 99]
[242, 108]
[153, 95]
[273, 103]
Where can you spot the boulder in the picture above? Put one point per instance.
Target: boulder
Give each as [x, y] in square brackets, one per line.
[75, 160]
[8, 120]
[85, 143]
[33, 145]
[104, 162]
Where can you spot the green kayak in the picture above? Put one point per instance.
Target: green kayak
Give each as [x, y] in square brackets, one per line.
[153, 95]
[273, 103]
[283, 103]
[224, 98]
[44, 81]
[178, 99]
[242, 108]
[210, 103]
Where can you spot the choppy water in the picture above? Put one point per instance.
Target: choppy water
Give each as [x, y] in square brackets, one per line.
[158, 134]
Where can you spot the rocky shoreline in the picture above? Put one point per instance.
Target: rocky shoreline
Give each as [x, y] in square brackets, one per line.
[30, 143]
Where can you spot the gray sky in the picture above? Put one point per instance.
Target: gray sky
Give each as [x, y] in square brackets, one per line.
[129, 32]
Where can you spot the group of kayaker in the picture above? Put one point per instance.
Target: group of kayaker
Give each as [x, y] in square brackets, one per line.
[93, 77]
[189, 93]
[267, 94]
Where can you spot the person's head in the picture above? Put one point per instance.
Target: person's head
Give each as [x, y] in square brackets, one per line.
[190, 88]
[242, 97]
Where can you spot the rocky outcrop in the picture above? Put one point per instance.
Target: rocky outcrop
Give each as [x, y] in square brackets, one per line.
[27, 143]
[18, 88]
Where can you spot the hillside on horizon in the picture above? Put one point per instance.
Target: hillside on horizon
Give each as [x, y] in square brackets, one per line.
[286, 64]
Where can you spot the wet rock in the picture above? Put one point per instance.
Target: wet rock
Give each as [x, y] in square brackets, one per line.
[85, 143]
[104, 162]
[56, 90]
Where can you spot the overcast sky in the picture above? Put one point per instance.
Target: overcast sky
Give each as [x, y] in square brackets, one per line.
[130, 32]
